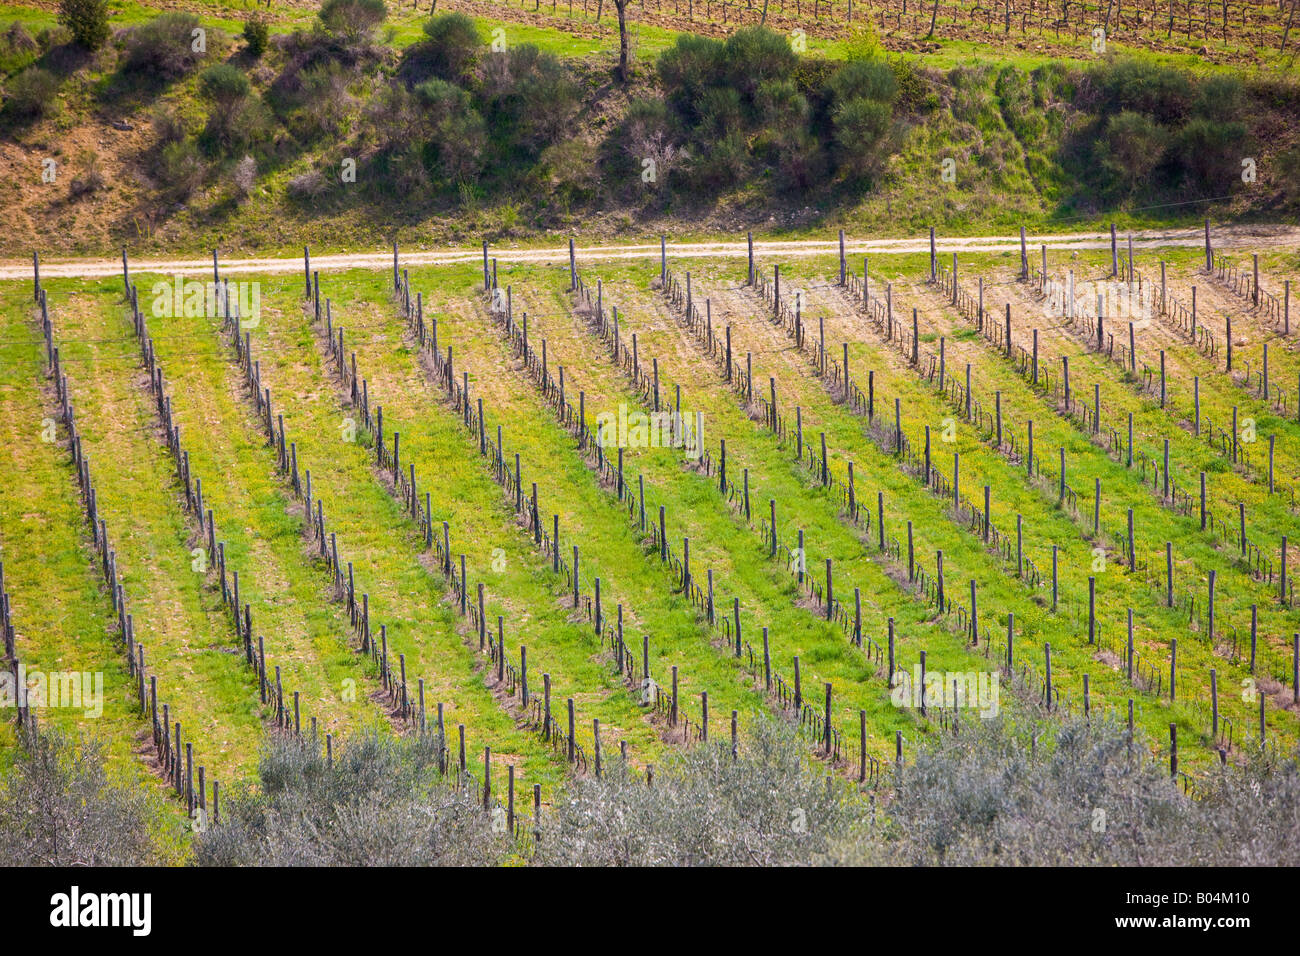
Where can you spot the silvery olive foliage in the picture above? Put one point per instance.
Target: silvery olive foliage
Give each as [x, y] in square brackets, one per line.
[996, 793]
[58, 807]
[767, 807]
[1074, 794]
[382, 803]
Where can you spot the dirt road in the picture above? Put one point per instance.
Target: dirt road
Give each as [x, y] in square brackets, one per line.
[1248, 237]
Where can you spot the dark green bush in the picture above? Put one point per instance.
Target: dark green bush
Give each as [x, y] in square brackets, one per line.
[1209, 154]
[687, 69]
[238, 118]
[722, 163]
[750, 105]
[224, 84]
[529, 97]
[755, 55]
[456, 133]
[778, 105]
[1162, 92]
[1133, 146]
[87, 20]
[861, 129]
[914, 93]
[797, 155]
[257, 34]
[1220, 98]
[864, 79]
[323, 101]
[720, 113]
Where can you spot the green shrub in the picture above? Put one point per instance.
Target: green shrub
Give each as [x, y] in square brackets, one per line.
[1133, 146]
[720, 113]
[257, 34]
[163, 47]
[168, 125]
[749, 99]
[569, 171]
[87, 20]
[453, 46]
[1162, 92]
[866, 79]
[530, 97]
[755, 55]
[722, 163]
[224, 84]
[687, 68]
[237, 119]
[457, 134]
[353, 19]
[180, 168]
[1219, 98]
[1210, 154]
[31, 94]
[861, 127]
[914, 93]
[797, 156]
[53, 37]
[323, 101]
[780, 106]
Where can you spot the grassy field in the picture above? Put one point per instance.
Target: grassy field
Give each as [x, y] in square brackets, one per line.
[989, 555]
[63, 613]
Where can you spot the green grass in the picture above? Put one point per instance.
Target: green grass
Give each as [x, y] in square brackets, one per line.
[304, 633]
[190, 643]
[1087, 463]
[178, 617]
[535, 608]
[609, 548]
[62, 614]
[959, 555]
[375, 535]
